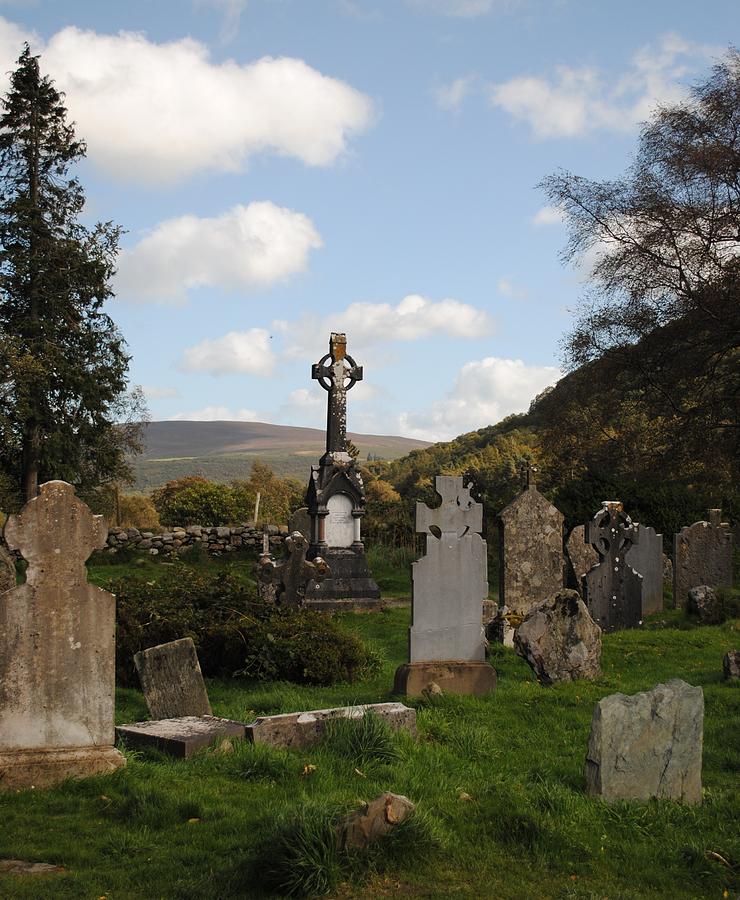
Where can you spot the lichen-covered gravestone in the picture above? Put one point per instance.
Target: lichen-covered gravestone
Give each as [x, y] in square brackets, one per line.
[582, 556]
[530, 550]
[646, 558]
[702, 554]
[286, 582]
[612, 589]
[57, 648]
[449, 584]
[647, 745]
[171, 680]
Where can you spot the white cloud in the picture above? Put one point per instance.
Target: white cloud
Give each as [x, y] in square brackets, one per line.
[450, 96]
[548, 215]
[238, 351]
[484, 392]
[245, 247]
[160, 112]
[509, 289]
[414, 318]
[464, 9]
[159, 393]
[217, 414]
[576, 101]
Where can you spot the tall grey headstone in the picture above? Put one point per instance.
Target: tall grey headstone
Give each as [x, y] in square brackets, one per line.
[530, 550]
[647, 745]
[57, 648]
[646, 558]
[171, 680]
[612, 589]
[702, 554]
[449, 585]
[582, 556]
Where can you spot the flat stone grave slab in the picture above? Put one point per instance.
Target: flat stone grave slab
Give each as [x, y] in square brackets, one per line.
[180, 737]
[171, 679]
[304, 729]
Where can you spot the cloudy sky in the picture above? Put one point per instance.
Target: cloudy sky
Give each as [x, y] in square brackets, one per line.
[287, 168]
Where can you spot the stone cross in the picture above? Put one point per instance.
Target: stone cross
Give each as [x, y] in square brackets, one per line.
[612, 589]
[285, 582]
[458, 513]
[57, 648]
[337, 372]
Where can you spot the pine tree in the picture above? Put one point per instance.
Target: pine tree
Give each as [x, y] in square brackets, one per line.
[63, 361]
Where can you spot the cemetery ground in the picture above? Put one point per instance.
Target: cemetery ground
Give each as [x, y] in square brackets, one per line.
[498, 783]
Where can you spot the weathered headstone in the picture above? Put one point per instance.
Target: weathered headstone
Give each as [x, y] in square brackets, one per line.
[300, 520]
[530, 550]
[704, 602]
[449, 584]
[304, 729]
[646, 558]
[612, 589]
[171, 680]
[7, 570]
[702, 554]
[560, 640]
[582, 556]
[335, 497]
[288, 580]
[647, 745]
[180, 737]
[57, 648]
[731, 664]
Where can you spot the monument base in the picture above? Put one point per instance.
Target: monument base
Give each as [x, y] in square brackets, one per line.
[350, 583]
[182, 736]
[452, 676]
[21, 769]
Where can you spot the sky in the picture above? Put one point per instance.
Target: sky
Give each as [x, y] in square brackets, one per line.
[288, 168]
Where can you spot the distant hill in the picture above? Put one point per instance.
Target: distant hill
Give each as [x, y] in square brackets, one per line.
[223, 451]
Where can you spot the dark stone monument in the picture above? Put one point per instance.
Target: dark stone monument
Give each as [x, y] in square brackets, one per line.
[285, 583]
[171, 680]
[702, 554]
[646, 558]
[336, 495]
[612, 589]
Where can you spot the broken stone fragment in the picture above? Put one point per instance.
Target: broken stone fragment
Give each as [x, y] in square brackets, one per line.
[731, 664]
[373, 820]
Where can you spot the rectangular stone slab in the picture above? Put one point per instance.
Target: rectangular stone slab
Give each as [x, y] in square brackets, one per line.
[180, 737]
[171, 679]
[304, 729]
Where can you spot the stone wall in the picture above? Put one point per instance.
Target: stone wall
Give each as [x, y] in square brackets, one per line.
[215, 539]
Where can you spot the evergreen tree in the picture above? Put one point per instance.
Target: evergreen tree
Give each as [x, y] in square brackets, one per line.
[62, 360]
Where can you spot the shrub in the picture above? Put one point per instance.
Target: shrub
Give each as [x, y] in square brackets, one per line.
[138, 511]
[234, 632]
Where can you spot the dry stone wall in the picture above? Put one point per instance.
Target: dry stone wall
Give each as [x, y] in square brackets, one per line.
[216, 540]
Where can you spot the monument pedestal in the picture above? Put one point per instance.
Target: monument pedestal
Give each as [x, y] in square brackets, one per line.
[21, 769]
[350, 585]
[453, 677]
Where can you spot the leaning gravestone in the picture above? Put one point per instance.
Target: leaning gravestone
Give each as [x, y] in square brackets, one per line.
[647, 745]
[582, 556]
[7, 570]
[57, 648]
[646, 558]
[171, 680]
[285, 583]
[449, 585]
[560, 640]
[702, 554]
[530, 550]
[612, 589]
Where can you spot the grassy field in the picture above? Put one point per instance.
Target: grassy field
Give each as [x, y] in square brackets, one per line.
[498, 784]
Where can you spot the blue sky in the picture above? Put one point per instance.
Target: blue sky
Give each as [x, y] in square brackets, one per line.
[284, 168]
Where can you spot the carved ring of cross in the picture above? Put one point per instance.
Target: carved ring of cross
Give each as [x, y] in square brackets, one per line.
[323, 373]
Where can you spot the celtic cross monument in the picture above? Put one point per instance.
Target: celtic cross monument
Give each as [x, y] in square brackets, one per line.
[336, 495]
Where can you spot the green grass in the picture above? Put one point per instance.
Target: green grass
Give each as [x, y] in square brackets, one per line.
[498, 784]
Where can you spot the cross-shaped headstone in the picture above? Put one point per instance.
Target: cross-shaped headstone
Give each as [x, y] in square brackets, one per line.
[612, 589]
[285, 582]
[337, 372]
[457, 514]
